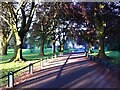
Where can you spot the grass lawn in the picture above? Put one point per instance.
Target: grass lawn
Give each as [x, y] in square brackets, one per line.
[6, 66]
[114, 55]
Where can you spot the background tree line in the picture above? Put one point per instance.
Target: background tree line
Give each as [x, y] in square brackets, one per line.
[48, 22]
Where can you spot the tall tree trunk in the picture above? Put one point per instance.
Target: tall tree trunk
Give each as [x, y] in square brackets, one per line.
[14, 43]
[5, 43]
[62, 46]
[53, 43]
[42, 48]
[18, 53]
[90, 48]
[18, 48]
[101, 52]
[4, 48]
[53, 47]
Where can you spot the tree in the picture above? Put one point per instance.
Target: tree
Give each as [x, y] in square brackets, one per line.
[46, 24]
[112, 35]
[96, 15]
[6, 33]
[90, 37]
[66, 19]
[103, 16]
[62, 33]
[6, 36]
[18, 16]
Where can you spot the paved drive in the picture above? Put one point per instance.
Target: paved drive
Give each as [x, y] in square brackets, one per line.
[71, 71]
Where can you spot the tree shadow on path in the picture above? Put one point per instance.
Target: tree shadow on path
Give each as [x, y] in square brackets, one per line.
[80, 74]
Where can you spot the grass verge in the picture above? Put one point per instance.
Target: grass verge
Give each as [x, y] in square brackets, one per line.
[114, 55]
[6, 66]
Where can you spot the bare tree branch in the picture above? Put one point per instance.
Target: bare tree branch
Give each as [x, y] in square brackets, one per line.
[10, 35]
[6, 20]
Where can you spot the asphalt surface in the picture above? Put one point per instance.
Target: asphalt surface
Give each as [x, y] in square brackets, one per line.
[71, 71]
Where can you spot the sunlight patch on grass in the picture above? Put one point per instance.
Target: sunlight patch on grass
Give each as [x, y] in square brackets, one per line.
[12, 66]
[6, 66]
[94, 54]
[107, 52]
[114, 55]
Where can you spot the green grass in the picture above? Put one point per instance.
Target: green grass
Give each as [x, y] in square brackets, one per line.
[12, 66]
[26, 54]
[114, 55]
[6, 66]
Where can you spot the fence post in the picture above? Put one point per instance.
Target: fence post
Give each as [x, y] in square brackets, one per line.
[61, 53]
[52, 58]
[86, 53]
[40, 63]
[31, 68]
[55, 56]
[46, 60]
[10, 79]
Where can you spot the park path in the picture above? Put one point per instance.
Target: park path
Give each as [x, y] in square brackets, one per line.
[71, 71]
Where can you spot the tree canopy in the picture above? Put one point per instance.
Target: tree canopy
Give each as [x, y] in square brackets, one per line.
[52, 21]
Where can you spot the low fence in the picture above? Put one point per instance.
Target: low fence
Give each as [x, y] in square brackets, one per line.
[10, 75]
[108, 65]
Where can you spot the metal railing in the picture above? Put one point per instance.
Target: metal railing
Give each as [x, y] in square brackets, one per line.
[10, 74]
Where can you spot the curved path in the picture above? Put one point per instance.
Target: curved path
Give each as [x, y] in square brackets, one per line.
[71, 71]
